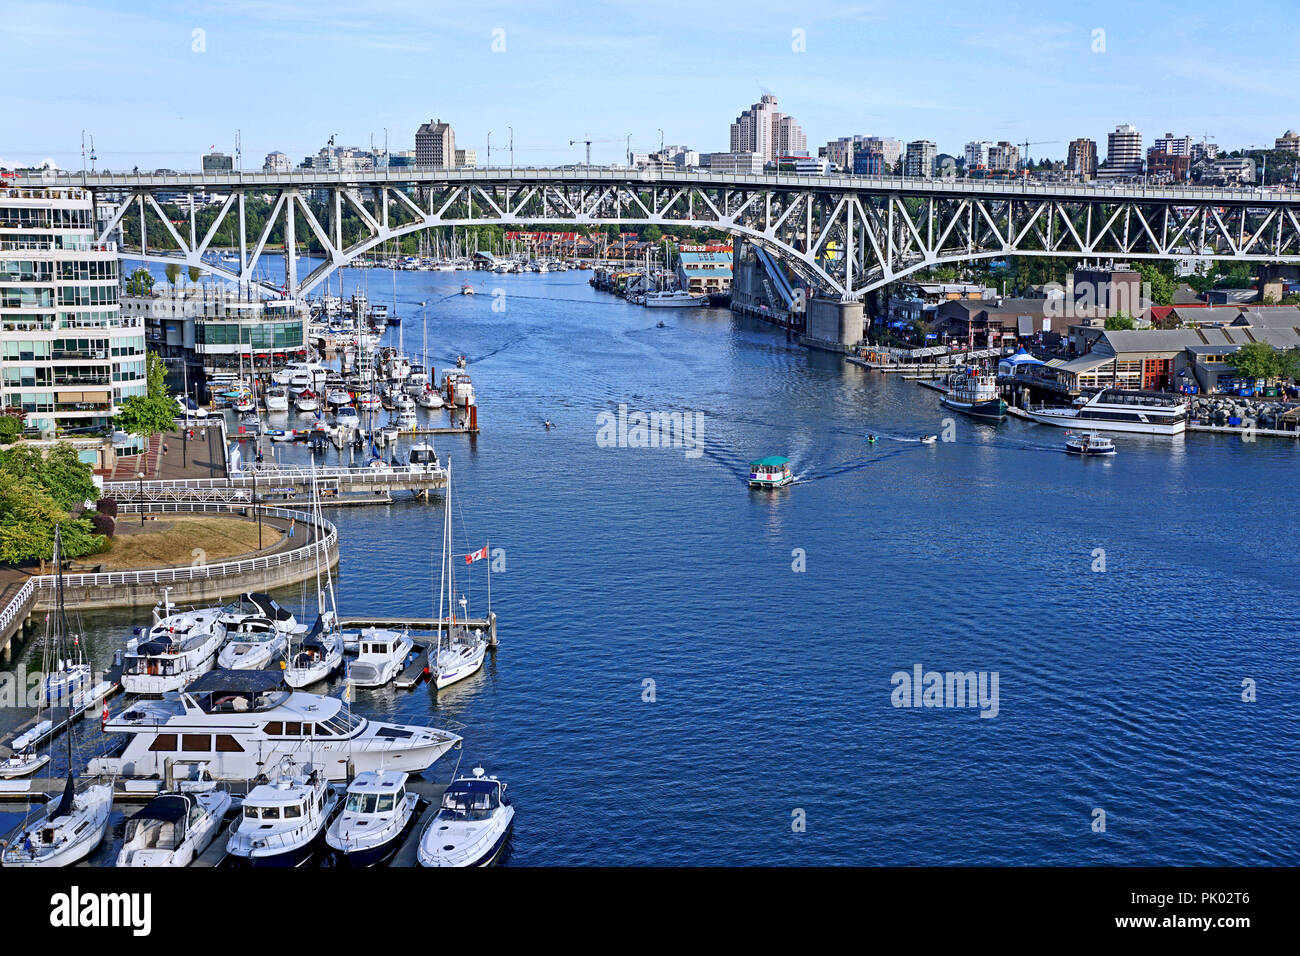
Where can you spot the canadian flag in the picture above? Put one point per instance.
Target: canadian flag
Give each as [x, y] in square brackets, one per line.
[103, 720]
[475, 555]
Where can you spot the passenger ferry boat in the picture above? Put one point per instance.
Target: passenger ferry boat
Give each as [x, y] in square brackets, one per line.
[239, 723]
[1119, 410]
[376, 813]
[472, 825]
[1088, 444]
[975, 393]
[283, 822]
[770, 472]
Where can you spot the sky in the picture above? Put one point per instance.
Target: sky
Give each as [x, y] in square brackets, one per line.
[156, 84]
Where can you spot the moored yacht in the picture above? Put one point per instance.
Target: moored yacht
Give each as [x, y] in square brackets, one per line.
[381, 654]
[239, 723]
[676, 299]
[1120, 410]
[178, 648]
[472, 824]
[251, 645]
[276, 399]
[282, 822]
[317, 656]
[173, 828]
[306, 401]
[375, 814]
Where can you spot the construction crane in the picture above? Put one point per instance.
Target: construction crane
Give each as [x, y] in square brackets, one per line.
[1026, 144]
[588, 142]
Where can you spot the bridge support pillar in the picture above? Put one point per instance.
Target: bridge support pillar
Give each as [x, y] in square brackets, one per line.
[833, 324]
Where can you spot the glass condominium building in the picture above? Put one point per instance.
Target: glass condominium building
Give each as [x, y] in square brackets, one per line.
[68, 356]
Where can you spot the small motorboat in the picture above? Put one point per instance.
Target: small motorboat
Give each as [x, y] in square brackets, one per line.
[375, 814]
[472, 825]
[284, 821]
[870, 439]
[407, 420]
[770, 472]
[173, 829]
[1088, 444]
[381, 653]
[22, 763]
[338, 396]
[661, 325]
[467, 289]
[276, 399]
[929, 439]
[251, 645]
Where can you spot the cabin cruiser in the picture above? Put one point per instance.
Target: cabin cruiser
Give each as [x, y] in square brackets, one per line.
[1088, 444]
[975, 393]
[172, 829]
[416, 382]
[251, 645]
[174, 651]
[472, 824]
[381, 654]
[282, 822]
[375, 814]
[771, 472]
[241, 722]
[407, 420]
[318, 655]
[422, 456]
[276, 399]
[306, 401]
[347, 415]
[677, 299]
[1120, 410]
[459, 388]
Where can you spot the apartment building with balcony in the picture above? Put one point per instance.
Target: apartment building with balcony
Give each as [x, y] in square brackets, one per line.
[68, 356]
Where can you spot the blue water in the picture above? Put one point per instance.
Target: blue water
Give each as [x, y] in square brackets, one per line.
[1118, 689]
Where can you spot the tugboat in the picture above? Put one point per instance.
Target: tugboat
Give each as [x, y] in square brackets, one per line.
[974, 392]
[1088, 444]
[770, 472]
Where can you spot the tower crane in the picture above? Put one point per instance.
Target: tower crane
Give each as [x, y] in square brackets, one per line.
[588, 142]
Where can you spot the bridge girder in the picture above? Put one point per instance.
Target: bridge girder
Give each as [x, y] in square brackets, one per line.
[845, 241]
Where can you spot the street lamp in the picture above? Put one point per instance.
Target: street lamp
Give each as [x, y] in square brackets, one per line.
[489, 156]
[140, 478]
[512, 149]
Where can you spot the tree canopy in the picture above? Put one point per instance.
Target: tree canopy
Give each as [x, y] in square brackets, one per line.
[1259, 360]
[36, 493]
[151, 413]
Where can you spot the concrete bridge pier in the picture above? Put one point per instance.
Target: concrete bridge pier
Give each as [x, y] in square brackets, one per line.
[833, 324]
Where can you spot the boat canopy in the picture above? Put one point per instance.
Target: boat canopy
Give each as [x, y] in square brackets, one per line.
[772, 461]
[169, 808]
[224, 690]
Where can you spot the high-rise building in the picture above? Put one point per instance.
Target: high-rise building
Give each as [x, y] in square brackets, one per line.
[1004, 157]
[277, 163]
[1288, 142]
[1204, 150]
[919, 163]
[765, 130]
[69, 357]
[466, 157]
[435, 145]
[890, 149]
[1172, 145]
[218, 163]
[1082, 158]
[870, 162]
[977, 153]
[1123, 153]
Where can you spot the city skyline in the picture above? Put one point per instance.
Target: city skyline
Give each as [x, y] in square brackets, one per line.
[182, 82]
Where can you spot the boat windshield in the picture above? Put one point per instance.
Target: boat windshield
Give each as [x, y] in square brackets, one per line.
[471, 800]
[343, 724]
[371, 802]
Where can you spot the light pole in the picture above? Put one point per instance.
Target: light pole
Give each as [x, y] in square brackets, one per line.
[629, 150]
[489, 156]
[512, 149]
[661, 147]
[139, 475]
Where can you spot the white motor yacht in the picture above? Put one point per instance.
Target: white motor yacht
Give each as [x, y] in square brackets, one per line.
[276, 399]
[282, 823]
[179, 647]
[381, 655]
[677, 299]
[238, 723]
[317, 656]
[251, 644]
[472, 825]
[375, 814]
[1120, 410]
[172, 829]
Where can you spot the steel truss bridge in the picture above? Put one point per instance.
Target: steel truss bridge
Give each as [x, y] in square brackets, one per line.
[845, 235]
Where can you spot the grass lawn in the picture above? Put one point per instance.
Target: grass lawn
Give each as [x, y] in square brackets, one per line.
[173, 540]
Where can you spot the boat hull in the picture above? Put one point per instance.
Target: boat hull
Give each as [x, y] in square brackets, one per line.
[994, 409]
[1104, 425]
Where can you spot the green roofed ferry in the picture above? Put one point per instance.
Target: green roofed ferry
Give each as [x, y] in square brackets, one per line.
[772, 472]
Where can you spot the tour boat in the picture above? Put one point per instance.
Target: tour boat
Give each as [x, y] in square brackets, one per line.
[460, 650]
[276, 399]
[62, 832]
[1120, 410]
[975, 393]
[178, 648]
[283, 822]
[472, 824]
[306, 401]
[676, 299]
[770, 472]
[172, 829]
[238, 723]
[1088, 444]
[376, 812]
[381, 654]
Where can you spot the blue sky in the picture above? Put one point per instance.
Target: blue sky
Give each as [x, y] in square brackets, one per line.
[289, 73]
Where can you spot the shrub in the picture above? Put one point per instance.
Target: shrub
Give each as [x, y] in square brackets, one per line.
[107, 506]
[103, 524]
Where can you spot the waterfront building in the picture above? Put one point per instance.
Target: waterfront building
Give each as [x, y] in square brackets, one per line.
[217, 163]
[435, 145]
[69, 356]
[466, 158]
[208, 332]
[1288, 142]
[701, 269]
[1082, 158]
[736, 162]
[919, 163]
[765, 130]
[277, 163]
[1123, 154]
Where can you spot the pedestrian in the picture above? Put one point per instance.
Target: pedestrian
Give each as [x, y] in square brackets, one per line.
[293, 522]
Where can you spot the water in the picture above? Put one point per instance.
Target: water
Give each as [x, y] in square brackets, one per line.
[1119, 690]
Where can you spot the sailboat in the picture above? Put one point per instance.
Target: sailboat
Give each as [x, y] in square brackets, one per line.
[460, 650]
[60, 834]
[320, 653]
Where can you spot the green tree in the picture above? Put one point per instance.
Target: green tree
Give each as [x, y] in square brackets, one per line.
[1162, 284]
[1256, 360]
[140, 282]
[59, 472]
[194, 273]
[1288, 365]
[11, 429]
[1120, 322]
[154, 412]
[173, 273]
[36, 493]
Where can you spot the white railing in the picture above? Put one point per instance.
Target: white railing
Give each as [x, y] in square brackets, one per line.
[18, 605]
[321, 544]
